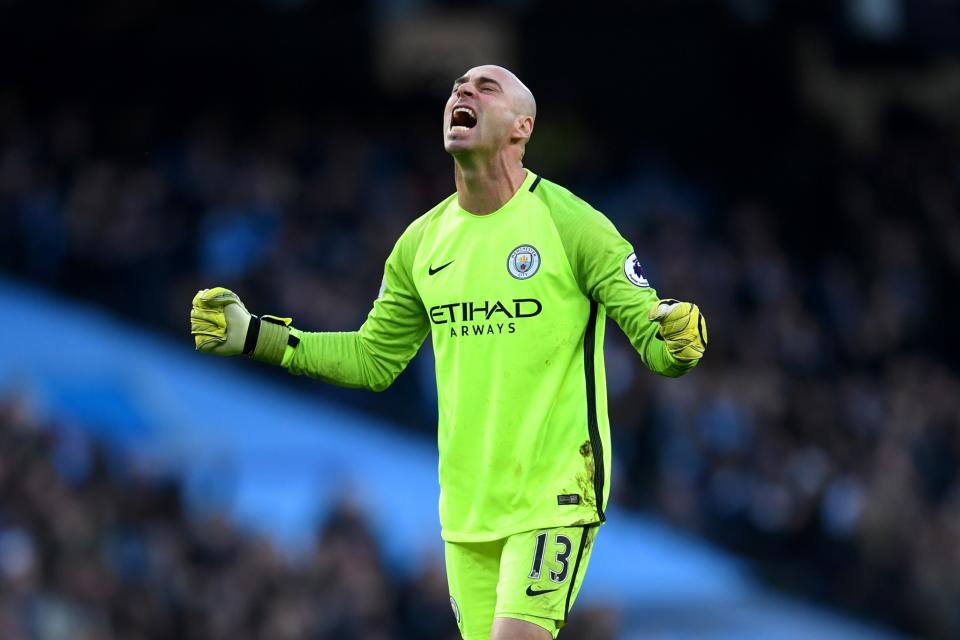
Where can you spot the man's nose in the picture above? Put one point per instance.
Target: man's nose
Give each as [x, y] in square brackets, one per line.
[465, 89]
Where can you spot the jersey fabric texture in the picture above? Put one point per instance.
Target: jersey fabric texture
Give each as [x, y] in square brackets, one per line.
[515, 302]
[533, 576]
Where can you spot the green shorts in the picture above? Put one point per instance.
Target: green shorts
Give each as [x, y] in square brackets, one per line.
[533, 576]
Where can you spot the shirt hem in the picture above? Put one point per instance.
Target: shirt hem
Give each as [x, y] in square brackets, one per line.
[500, 534]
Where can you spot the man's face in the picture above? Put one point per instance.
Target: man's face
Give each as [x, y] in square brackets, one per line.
[481, 112]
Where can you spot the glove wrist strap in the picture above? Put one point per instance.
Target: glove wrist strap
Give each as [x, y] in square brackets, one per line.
[268, 339]
[272, 342]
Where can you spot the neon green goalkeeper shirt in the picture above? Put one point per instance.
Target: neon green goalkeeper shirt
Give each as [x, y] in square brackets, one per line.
[515, 302]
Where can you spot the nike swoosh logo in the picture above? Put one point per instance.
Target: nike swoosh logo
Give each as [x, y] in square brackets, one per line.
[538, 592]
[432, 271]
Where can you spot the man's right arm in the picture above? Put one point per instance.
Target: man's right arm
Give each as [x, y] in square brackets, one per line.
[373, 356]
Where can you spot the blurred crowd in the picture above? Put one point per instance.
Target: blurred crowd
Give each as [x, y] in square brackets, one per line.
[93, 548]
[267, 211]
[821, 435]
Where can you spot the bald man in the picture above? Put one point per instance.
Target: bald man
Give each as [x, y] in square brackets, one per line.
[512, 277]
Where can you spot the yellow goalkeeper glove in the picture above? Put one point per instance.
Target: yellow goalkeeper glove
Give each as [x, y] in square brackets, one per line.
[682, 328]
[221, 325]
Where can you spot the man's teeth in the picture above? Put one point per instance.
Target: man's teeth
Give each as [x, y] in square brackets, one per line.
[459, 127]
[465, 110]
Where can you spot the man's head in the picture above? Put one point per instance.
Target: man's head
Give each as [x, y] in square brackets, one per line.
[489, 111]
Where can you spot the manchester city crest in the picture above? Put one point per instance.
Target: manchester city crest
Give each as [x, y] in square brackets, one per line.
[523, 262]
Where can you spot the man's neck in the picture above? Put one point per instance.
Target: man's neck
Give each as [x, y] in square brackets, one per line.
[484, 187]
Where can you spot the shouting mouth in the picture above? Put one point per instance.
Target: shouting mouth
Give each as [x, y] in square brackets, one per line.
[462, 119]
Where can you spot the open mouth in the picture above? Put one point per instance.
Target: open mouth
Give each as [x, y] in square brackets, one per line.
[463, 118]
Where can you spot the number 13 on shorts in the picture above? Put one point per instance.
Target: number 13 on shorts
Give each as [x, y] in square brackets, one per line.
[532, 576]
[562, 557]
[541, 572]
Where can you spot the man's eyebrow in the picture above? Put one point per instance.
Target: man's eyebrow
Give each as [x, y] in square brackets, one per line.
[480, 80]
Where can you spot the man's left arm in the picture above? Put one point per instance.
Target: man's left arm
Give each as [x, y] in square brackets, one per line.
[669, 335]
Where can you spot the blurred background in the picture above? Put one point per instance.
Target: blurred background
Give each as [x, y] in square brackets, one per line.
[792, 167]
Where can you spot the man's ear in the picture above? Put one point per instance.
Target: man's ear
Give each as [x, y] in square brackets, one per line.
[523, 128]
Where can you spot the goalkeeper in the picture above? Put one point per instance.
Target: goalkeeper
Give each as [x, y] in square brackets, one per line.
[512, 277]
